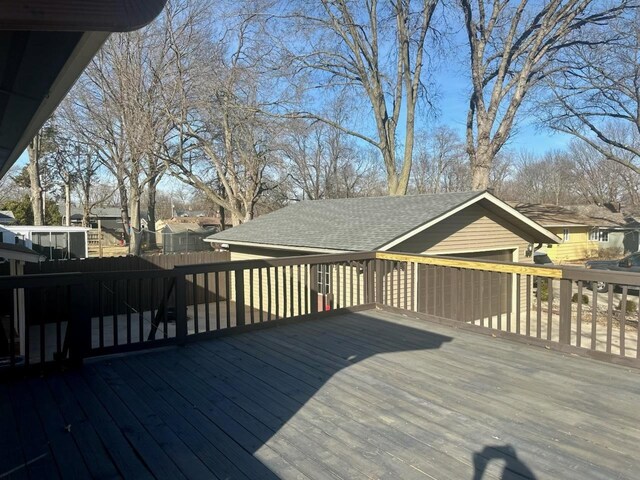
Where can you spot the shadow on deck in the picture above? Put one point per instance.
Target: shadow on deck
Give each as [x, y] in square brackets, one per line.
[364, 395]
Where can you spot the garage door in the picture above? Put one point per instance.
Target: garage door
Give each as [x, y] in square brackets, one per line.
[482, 294]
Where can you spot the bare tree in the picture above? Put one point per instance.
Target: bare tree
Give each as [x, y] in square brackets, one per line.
[513, 46]
[440, 164]
[377, 48]
[598, 180]
[546, 179]
[223, 142]
[320, 162]
[596, 97]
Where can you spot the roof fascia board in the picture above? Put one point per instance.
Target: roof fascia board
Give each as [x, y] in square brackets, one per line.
[483, 196]
[277, 247]
[78, 15]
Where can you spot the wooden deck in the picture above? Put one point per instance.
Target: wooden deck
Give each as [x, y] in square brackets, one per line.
[367, 395]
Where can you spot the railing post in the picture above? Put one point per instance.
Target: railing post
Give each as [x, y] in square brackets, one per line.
[79, 330]
[240, 307]
[181, 307]
[313, 288]
[564, 334]
[379, 280]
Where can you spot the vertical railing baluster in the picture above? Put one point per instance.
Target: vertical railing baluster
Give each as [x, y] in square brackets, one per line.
[490, 288]
[300, 309]
[140, 310]
[100, 315]
[579, 316]
[285, 299]
[196, 304]
[128, 307]
[268, 294]
[292, 297]
[277, 291]
[207, 299]
[609, 317]
[594, 315]
[549, 308]
[217, 287]
[251, 294]
[509, 278]
[152, 300]
[240, 303]
[623, 320]
[565, 320]
[58, 321]
[499, 298]
[481, 293]
[182, 329]
[518, 302]
[260, 295]
[344, 284]
[227, 289]
[336, 301]
[539, 307]
[528, 306]
[165, 304]
[313, 288]
[114, 287]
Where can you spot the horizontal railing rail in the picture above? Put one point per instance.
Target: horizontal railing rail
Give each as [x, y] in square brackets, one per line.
[591, 312]
[48, 319]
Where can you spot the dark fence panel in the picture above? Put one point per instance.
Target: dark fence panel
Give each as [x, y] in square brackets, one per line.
[110, 295]
[129, 263]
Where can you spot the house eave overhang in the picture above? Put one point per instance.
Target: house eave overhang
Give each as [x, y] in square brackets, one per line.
[294, 248]
[46, 44]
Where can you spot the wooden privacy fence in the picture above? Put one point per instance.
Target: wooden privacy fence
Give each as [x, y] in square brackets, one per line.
[124, 264]
[107, 295]
[96, 313]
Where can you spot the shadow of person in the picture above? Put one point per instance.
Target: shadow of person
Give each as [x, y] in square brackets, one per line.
[513, 468]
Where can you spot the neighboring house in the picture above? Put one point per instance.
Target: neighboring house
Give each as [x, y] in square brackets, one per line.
[585, 230]
[54, 241]
[179, 237]
[7, 217]
[110, 218]
[469, 225]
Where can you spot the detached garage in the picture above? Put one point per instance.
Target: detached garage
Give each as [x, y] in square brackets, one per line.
[474, 225]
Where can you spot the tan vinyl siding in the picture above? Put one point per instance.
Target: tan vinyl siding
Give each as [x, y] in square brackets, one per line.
[346, 288]
[473, 229]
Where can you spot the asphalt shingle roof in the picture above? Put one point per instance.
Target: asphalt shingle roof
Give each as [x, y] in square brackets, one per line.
[355, 224]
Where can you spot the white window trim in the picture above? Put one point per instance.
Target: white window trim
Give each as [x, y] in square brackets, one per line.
[598, 234]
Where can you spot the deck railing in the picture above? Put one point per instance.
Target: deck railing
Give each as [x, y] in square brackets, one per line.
[49, 319]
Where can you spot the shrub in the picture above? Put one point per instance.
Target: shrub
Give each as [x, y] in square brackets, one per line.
[585, 299]
[543, 285]
[631, 306]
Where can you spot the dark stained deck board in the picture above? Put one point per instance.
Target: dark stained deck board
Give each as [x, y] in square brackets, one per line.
[533, 434]
[369, 395]
[426, 432]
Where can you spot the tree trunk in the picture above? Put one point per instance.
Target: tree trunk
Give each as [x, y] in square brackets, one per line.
[481, 163]
[223, 220]
[67, 202]
[124, 208]
[151, 213]
[34, 181]
[136, 231]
